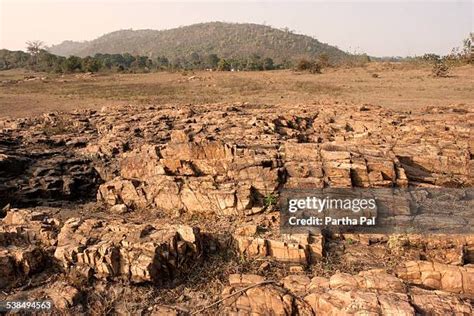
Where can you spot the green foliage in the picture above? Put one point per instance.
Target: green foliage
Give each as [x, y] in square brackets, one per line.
[226, 40]
[47, 62]
[268, 64]
[270, 199]
[216, 46]
[13, 59]
[195, 59]
[224, 65]
[431, 57]
[72, 64]
[254, 62]
[162, 63]
[211, 61]
[90, 64]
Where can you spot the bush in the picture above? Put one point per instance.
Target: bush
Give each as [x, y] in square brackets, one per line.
[307, 65]
[324, 61]
[72, 64]
[268, 64]
[269, 200]
[440, 69]
[431, 57]
[315, 68]
[223, 65]
[90, 64]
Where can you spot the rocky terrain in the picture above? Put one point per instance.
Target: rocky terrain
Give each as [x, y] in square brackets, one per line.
[162, 210]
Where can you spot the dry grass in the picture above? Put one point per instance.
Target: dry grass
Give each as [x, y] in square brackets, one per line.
[397, 86]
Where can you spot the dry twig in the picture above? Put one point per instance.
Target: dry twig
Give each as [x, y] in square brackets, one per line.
[232, 295]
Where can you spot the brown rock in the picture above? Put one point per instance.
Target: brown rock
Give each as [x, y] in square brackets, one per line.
[142, 164]
[297, 284]
[119, 209]
[439, 303]
[136, 252]
[120, 191]
[265, 299]
[64, 296]
[438, 276]
[244, 279]
[19, 262]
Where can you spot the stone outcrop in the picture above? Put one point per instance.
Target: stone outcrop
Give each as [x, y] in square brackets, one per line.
[25, 237]
[63, 295]
[439, 276]
[222, 168]
[17, 262]
[135, 252]
[47, 178]
[439, 303]
[30, 226]
[302, 248]
[267, 299]
[204, 178]
[371, 292]
[243, 152]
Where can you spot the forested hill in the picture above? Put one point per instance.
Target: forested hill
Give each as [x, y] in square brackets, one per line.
[227, 40]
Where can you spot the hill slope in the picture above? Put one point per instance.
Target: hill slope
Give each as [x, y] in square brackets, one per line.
[228, 40]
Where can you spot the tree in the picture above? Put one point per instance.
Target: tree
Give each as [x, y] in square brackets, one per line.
[212, 61]
[431, 57]
[127, 60]
[34, 48]
[254, 62]
[162, 62]
[91, 64]
[195, 59]
[46, 61]
[223, 65]
[178, 63]
[9, 59]
[466, 49]
[72, 64]
[268, 64]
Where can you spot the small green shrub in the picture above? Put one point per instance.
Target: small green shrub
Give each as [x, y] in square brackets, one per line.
[270, 199]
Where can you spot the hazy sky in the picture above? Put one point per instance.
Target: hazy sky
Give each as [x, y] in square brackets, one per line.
[378, 28]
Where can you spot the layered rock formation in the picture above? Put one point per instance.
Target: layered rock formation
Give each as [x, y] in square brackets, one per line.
[133, 252]
[371, 292]
[146, 196]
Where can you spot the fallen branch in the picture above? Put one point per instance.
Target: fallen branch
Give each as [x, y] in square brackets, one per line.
[232, 295]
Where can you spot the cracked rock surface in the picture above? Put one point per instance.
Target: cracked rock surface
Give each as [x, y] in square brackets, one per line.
[163, 210]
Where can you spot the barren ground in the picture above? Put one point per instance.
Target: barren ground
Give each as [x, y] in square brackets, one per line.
[154, 194]
[398, 86]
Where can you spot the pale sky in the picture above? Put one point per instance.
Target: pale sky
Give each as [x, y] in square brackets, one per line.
[378, 28]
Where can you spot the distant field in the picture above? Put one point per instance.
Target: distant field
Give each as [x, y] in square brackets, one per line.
[394, 86]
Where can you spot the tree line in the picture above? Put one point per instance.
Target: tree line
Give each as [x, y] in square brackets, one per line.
[39, 59]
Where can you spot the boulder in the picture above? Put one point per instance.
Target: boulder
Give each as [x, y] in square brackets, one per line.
[134, 252]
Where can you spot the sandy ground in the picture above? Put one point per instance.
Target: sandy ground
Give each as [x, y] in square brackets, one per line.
[397, 86]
